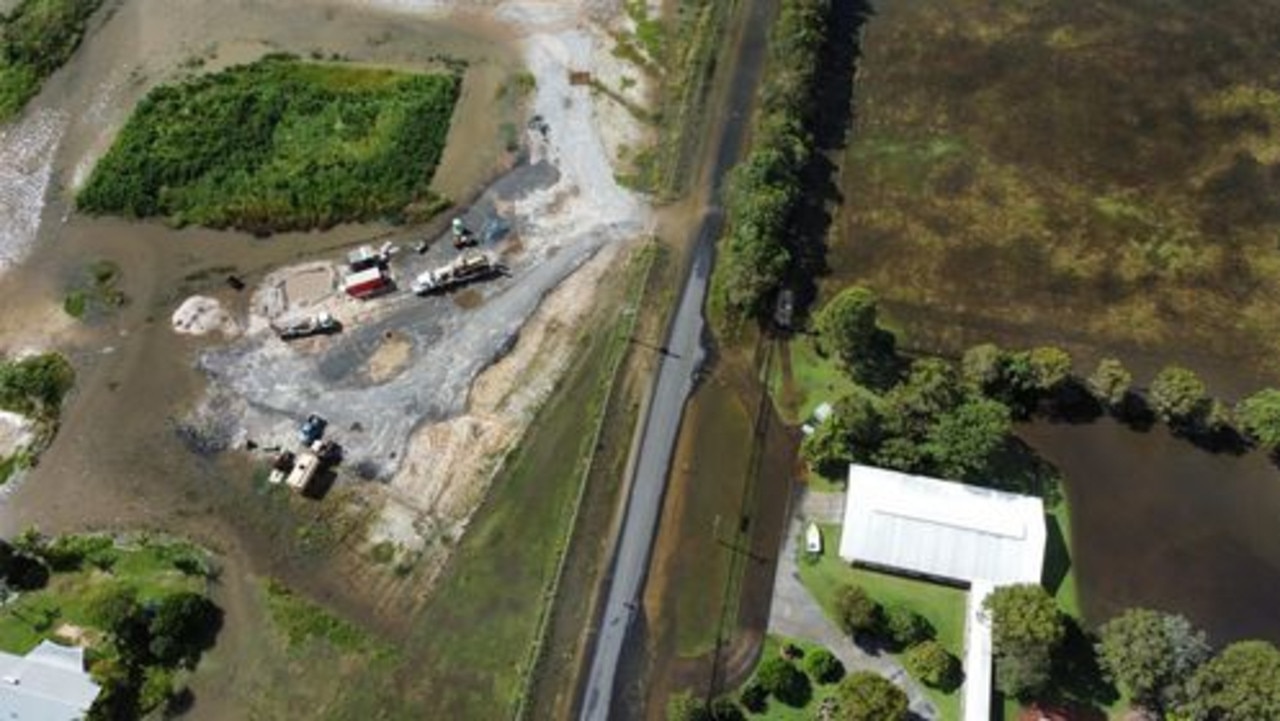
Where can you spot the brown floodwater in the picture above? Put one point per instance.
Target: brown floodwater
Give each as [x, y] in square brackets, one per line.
[1157, 522]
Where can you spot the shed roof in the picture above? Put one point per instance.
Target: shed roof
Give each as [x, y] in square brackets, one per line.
[48, 684]
[941, 528]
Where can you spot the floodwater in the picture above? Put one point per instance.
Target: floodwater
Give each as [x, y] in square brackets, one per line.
[118, 461]
[1157, 522]
[1100, 176]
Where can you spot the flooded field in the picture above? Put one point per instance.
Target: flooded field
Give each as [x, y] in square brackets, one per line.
[1104, 177]
[1098, 174]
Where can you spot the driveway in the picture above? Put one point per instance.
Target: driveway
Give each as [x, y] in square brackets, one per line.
[796, 614]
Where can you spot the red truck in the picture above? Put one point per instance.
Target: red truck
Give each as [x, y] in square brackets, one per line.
[366, 283]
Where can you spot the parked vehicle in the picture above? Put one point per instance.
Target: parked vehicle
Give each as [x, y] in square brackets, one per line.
[312, 429]
[367, 283]
[469, 266]
[319, 323]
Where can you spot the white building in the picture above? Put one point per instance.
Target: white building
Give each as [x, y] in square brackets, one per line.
[48, 684]
[948, 531]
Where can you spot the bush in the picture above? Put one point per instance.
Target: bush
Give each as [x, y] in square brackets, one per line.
[35, 386]
[71, 552]
[856, 611]
[932, 665]
[906, 628]
[684, 707]
[784, 681]
[183, 626]
[753, 696]
[823, 667]
[1259, 416]
[866, 696]
[724, 709]
[1177, 396]
[36, 38]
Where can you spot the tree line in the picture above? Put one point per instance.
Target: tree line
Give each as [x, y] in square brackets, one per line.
[1162, 662]
[934, 417]
[764, 190]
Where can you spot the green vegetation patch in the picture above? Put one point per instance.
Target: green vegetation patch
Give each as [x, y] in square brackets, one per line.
[95, 292]
[36, 38]
[280, 144]
[301, 621]
[35, 386]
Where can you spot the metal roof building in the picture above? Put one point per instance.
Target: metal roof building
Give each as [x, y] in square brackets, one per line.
[48, 684]
[976, 536]
[942, 529]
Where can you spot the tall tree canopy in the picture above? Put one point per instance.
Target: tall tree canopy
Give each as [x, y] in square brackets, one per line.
[1242, 683]
[1151, 654]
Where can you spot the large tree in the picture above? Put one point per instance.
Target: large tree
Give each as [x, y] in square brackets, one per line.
[866, 696]
[1110, 382]
[1026, 628]
[847, 328]
[931, 388]
[1242, 683]
[962, 441]
[1178, 395]
[1151, 654]
[851, 433]
[1259, 416]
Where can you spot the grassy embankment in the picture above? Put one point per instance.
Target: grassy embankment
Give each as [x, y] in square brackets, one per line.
[481, 632]
[279, 145]
[36, 38]
[679, 52]
[990, 205]
[33, 387]
[569, 621]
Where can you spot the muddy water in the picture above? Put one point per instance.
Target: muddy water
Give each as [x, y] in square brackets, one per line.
[1158, 523]
[117, 461]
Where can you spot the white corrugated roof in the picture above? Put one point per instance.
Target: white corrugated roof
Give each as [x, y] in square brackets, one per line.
[48, 684]
[977, 655]
[943, 529]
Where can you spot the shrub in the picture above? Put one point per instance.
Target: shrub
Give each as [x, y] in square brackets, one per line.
[784, 681]
[856, 611]
[684, 707]
[866, 696]
[932, 664]
[906, 628]
[724, 709]
[823, 667]
[753, 696]
[1177, 396]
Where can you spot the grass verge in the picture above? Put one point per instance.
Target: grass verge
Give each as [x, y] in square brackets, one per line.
[486, 613]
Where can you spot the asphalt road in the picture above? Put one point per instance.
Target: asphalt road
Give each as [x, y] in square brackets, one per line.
[682, 356]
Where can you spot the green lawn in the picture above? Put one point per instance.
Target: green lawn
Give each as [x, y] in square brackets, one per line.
[814, 380]
[942, 605]
[280, 144]
[150, 567]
